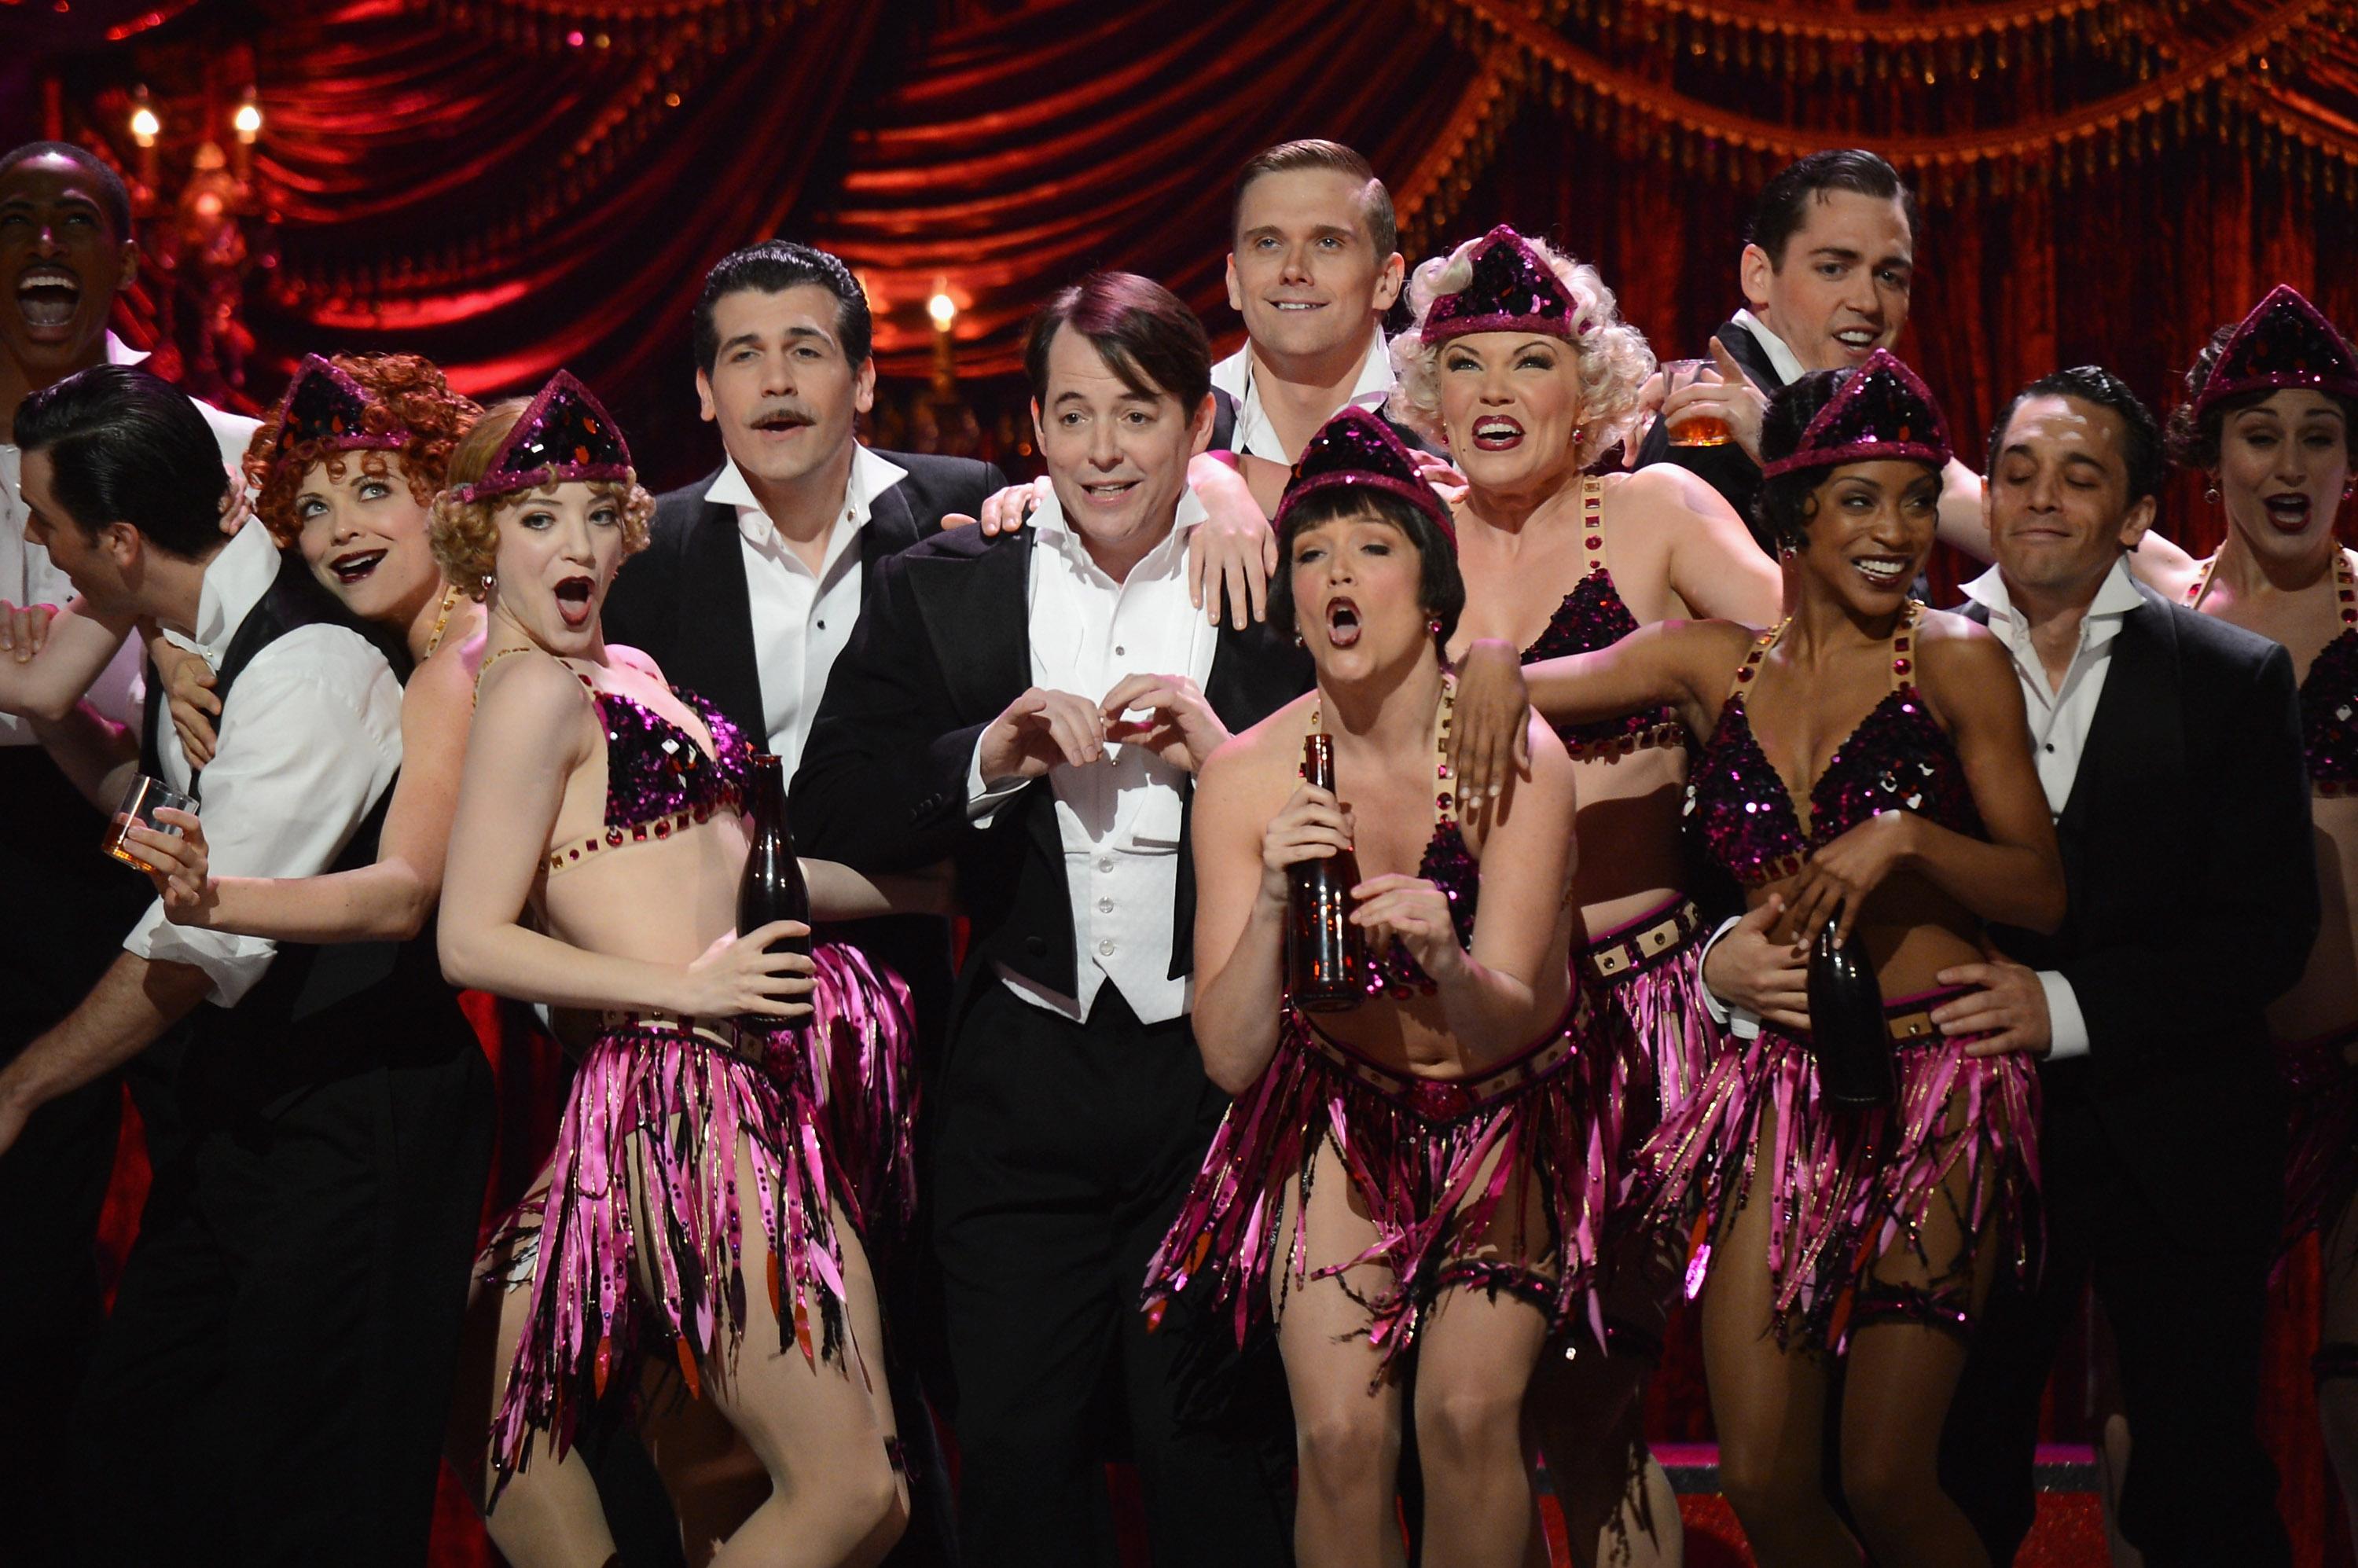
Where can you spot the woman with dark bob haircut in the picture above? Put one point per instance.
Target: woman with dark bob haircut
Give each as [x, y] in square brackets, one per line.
[1409, 1171]
[1865, 768]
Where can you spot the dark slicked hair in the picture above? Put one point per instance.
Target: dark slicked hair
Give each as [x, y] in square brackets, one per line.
[1439, 588]
[1375, 201]
[113, 199]
[126, 446]
[1144, 333]
[2194, 441]
[773, 266]
[2095, 385]
[1784, 204]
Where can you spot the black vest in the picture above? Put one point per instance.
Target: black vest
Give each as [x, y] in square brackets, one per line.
[320, 1012]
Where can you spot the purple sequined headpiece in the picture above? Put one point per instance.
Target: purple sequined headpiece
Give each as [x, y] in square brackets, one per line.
[324, 404]
[1513, 290]
[566, 435]
[2285, 342]
[1881, 413]
[1358, 450]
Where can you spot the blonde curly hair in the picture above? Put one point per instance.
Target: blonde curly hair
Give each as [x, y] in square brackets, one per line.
[466, 534]
[1611, 355]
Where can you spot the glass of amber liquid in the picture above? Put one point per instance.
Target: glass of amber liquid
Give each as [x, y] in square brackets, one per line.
[141, 800]
[1696, 430]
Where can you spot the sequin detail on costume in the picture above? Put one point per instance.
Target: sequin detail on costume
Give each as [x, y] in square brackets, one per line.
[2285, 342]
[1897, 759]
[565, 435]
[325, 405]
[658, 780]
[1446, 864]
[1594, 616]
[1882, 411]
[1513, 290]
[1355, 450]
[2328, 692]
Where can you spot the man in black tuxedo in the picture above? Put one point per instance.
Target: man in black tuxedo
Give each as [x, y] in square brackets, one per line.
[748, 591]
[1825, 271]
[2169, 745]
[1034, 706]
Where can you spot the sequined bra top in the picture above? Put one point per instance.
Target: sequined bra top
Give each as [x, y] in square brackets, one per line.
[2328, 693]
[1446, 864]
[1897, 759]
[659, 782]
[1593, 616]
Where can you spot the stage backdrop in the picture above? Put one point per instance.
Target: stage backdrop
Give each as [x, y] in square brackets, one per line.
[509, 185]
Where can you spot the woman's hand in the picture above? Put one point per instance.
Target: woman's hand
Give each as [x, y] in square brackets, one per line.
[181, 866]
[1489, 728]
[1312, 827]
[1417, 912]
[24, 628]
[1839, 878]
[737, 976]
[188, 689]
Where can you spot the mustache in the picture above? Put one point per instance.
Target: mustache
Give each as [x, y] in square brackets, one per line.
[789, 411]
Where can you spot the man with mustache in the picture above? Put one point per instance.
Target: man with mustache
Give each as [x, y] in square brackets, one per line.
[1034, 706]
[748, 591]
[66, 253]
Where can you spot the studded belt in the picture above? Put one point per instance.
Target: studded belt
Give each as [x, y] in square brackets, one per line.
[1452, 1100]
[1637, 946]
[738, 1037]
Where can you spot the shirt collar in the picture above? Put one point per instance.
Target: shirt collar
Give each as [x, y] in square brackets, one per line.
[234, 582]
[1786, 362]
[2116, 595]
[1050, 524]
[119, 353]
[871, 477]
[1237, 375]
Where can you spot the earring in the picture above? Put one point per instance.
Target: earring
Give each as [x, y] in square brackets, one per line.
[1433, 627]
[1298, 641]
[2210, 493]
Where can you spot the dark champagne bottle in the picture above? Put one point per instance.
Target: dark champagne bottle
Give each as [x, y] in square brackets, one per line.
[1325, 955]
[1847, 1034]
[771, 887]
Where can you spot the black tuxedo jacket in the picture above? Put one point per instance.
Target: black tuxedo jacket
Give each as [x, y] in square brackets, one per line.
[683, 599]
[2188, 854]
[1725, 468]
[943, 647]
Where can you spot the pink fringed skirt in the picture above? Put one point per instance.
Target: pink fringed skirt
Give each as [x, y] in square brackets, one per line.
[1845, 1186]
[638, 1243]
[2322, 1158]
[1647, 976]
[1432, 1161]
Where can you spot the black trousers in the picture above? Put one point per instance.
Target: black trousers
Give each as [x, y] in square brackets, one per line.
[2186, 1314]
[1063, 1151]
[77, 908]
[274, 1384]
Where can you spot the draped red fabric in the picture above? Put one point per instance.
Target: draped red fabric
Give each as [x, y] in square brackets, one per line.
[511, 185]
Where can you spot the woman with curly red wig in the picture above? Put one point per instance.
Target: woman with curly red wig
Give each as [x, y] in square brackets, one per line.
[344, 471]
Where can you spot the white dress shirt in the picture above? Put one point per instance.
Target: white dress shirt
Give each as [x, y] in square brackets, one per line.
[1786, 362]
[311, 737]
[1119, 818]
[28, 576]
[1238, 377]
[2059, 717]
[802, 619]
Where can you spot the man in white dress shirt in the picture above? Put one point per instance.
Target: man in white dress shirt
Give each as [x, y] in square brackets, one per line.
[66, 255]
[2170, 746]
[1033, 706]
[271, 1384]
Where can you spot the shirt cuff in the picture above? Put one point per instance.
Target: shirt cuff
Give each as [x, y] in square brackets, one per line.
[984, 799]
[1720, 1010]
[2066, 1026]
[232, 963]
